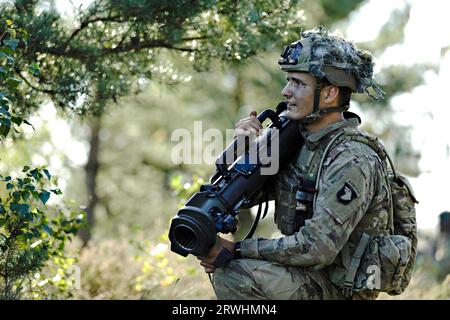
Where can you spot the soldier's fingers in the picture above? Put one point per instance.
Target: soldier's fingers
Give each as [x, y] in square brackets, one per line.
[206, 260]
[207, 264]
[243, 124]
[209, 268]
[245, 132]
[249, 125]
[255, 125]
[253, 113]
[252, 120]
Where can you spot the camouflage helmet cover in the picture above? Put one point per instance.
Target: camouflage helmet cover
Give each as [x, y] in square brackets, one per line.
[328, 56]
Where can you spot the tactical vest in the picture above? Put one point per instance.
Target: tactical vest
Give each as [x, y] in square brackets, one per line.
[295, 187]
[372, 244]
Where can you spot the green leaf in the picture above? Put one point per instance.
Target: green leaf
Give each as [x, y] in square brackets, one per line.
[5, 112]
[47, 174]
[5, 122]
[17, 120]
[44, 196]
[8, 178]
[23, 31]
[25, 195]
[56, 191]
[22, 209]
[47, 229]
[42, 213]
[34, 173]
[5, 126]
[29, 235]
[6, 53]
[4, 102]
[34, 69]
[12, 43]
[35, 194]
[9, 186]
[25, 169]
[16, 195]
[13, 82]
[175, 181]
[26, 122]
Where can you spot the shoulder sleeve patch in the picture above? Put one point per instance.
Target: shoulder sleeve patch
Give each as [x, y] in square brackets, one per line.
[342, 197]
[347, 193]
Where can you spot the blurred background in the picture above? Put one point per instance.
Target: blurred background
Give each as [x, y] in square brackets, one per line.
[118, 77]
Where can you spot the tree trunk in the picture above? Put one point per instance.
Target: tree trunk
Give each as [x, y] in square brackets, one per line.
[91, 170]
[244, 217]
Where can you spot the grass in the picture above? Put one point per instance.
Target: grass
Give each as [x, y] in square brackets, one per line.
[139, 269]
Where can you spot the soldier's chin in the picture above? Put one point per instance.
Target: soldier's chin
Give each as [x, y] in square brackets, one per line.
[290, 114]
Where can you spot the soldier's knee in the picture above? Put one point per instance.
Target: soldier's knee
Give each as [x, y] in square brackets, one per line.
[234, 282]
[233, 275]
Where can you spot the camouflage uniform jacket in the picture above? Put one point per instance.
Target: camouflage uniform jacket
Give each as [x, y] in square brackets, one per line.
[328, 240]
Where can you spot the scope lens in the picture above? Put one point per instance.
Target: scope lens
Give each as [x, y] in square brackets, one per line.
[186, 237]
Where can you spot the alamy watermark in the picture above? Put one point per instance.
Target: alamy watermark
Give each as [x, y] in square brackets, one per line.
[373, 281]
[207, 147]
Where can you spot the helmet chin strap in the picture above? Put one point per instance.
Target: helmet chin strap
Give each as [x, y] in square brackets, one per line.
[316, 113]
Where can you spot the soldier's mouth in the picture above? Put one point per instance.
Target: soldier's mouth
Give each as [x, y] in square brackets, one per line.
[291, 105]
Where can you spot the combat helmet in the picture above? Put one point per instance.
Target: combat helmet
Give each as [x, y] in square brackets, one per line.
[331, 57]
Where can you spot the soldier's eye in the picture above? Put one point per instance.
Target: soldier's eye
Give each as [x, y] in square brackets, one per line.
[297, 82]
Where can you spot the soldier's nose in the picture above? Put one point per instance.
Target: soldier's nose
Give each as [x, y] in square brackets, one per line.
[285, 93]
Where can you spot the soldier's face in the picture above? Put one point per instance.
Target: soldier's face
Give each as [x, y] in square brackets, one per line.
[299, 94]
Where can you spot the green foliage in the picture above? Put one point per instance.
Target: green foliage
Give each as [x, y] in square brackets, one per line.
[11, 38]
[328, 12]
[156, 271]
[184, 189]
[29, 236]
[114, 47]
[338, 10]
[57, 280]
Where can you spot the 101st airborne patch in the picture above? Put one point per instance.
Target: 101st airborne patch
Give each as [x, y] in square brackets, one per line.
[346, 194]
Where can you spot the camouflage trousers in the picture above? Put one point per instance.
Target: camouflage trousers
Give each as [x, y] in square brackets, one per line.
[251, 279]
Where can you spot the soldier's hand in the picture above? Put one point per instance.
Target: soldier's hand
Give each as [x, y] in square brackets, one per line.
[207, 262]
[209, 268]
[248, 126]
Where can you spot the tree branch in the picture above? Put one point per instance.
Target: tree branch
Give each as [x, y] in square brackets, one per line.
[146, 44]
[195, 38]
[87, 22]
[87, 55]
[34, 87]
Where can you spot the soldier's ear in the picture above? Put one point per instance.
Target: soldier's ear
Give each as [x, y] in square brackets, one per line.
[331, 94]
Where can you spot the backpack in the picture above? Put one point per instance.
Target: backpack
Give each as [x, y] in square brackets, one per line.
[382, 262]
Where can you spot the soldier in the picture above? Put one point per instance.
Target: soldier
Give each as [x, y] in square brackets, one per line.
[324, 216]
[442, 246]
